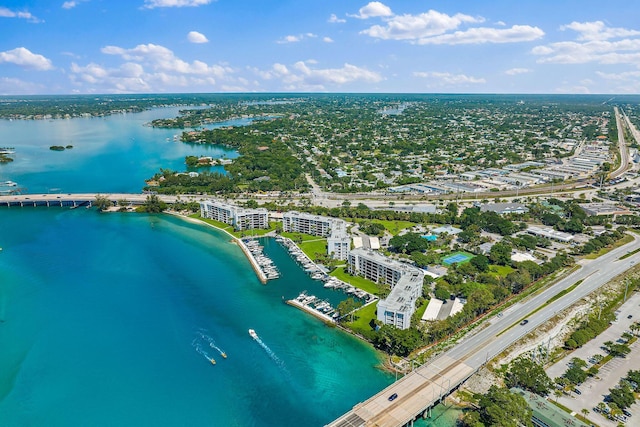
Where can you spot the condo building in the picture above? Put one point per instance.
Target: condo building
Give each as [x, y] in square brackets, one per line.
[405, 281]
[335, 230]
[240, 218]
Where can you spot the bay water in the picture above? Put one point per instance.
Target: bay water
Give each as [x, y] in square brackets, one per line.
[113, 319]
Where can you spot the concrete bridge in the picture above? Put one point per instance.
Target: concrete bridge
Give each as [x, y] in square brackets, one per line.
[85, 199]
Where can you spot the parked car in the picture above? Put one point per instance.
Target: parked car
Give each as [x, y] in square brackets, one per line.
[393, 397]
[576, 391]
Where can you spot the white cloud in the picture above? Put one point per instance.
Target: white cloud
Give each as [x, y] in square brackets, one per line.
[12, 86]
[134, 77]
[25, 58]
[600, 51]
[372, 10]
[8, 13]
[479, 35]
[162, 59]
[296, 39]
[593, 44]
[302, 77]
[448, 79]
[289, 39]
[597, 30]
[333, 19]
[327, 39]
[415, 27]
[73, 3]
[151, 4]
[196, 37]
[624, 76]
[516, 71]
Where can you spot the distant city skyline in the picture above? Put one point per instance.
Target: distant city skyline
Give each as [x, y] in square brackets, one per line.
[399, 46]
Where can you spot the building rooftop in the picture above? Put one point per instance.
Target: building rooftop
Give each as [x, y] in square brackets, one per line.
[546, 413]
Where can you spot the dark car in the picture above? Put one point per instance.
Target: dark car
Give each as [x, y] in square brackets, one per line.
[524, 322]
[629, 316]
[393, 397]
[576, 391]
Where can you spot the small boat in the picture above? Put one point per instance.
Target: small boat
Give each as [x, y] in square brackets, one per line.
[223, 354]
[253, 334]
[213, 361]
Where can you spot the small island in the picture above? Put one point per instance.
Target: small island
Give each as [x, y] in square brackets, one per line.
[60, 147]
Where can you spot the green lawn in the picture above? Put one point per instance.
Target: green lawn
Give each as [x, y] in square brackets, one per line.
[357, 281]
[362, 320]
[394, 227]
[229, 228]
[296, 237]
[500, 270]
[311, 247]
[217, 224]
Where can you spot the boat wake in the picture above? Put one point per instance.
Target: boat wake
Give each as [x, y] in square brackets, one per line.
[198, 346]
[270, 352]
[203, 341]
[212, 344]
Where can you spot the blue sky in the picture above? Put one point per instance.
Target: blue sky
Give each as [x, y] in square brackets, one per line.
[405, 46]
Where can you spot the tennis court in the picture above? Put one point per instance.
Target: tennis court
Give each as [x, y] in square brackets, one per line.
[456, 257]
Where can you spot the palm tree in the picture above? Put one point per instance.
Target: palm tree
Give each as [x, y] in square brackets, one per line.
[585, 412]
[557, 393]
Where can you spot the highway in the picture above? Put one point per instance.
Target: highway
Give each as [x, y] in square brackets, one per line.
[427, 384]
[624, 151]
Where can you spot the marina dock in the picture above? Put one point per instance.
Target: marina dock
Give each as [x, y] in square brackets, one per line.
[316, 307]
[263, 265]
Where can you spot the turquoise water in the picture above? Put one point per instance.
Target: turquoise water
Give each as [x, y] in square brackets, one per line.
[112, 319]
[99, 316]
[110, 154]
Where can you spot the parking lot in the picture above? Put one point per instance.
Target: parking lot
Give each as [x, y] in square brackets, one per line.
[594, 390]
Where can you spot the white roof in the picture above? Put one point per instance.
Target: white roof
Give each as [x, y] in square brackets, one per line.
[431, 313]
[357, 242]
[374, 242]
[519, 257]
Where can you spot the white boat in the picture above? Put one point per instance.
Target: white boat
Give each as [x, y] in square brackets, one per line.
[253, 334]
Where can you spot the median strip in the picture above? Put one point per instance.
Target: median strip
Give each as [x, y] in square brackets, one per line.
[549, 301]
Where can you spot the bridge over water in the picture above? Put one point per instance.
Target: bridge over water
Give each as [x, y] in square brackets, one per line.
[84, 199]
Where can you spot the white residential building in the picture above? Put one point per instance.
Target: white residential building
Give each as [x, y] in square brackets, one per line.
[405, 281]
[335, 230]
[240, 218]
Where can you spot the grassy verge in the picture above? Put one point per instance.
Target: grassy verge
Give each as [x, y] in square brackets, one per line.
[628, 254]
[357, 281]
[549, 301]
[394, 227]
[299, 237]
[313, 247]
[626, 239]
[221, 225]
[229, 228]
[362, 320]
